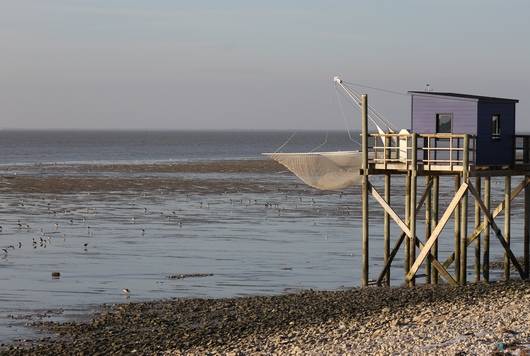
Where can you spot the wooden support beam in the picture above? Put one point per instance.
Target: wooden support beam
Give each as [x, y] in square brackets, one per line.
[406, 259]
[385, 273]
[406, 231]
[498, 209]
[486, 225]
[364, 192]
[456, 243]
[463, 212]
[507, 223]
[413, 197]
[526, 233]
[428, 221]
[497, 231]
[526, 236]
[434, 222]
[437, 230]
[386, 228]
[478, 183]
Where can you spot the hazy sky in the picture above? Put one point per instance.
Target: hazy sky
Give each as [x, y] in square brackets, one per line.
[155, 64]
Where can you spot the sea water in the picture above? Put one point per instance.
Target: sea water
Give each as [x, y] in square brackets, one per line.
[244, 243]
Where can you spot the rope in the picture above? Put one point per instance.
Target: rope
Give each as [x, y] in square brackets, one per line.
[322, 144]
[286, 142]
[343, 114]
[375, 88]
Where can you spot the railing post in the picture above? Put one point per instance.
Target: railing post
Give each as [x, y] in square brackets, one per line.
[365, 212]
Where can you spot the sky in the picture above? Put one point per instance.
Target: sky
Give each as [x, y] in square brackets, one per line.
[169, 64]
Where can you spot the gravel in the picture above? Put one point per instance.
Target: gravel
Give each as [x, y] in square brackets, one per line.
[476, 319]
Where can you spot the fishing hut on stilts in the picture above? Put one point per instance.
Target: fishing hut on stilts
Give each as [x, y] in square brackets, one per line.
[465, 138]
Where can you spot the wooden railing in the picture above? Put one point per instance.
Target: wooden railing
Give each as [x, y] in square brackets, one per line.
[432, 151]
[522, 149]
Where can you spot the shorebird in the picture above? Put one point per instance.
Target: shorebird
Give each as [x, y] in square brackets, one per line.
[19, 244]
[5, 251]
[125, 291]
[143, 232]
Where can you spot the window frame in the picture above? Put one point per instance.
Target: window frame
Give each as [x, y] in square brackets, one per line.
[496, 131]
[438, 116]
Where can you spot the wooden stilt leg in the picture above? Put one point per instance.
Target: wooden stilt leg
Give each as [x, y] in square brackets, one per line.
[478, 185]
[406, 262]
[486, 234]
[386, 229]
[428, 220]
[365, 213]
[457, 233]
[434, 222]
[412, 209]
[507, 223]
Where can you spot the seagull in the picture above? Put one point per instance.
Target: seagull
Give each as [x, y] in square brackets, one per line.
[5, 251]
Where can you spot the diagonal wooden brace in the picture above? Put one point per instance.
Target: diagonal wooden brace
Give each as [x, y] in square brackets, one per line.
[497, 231]
[436, 264]
[476, 233]
[402, 236]
[426, 249]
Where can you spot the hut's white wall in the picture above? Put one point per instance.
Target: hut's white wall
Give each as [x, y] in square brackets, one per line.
[425, 108]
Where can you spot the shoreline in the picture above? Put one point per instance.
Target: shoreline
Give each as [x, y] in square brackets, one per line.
[477, 318]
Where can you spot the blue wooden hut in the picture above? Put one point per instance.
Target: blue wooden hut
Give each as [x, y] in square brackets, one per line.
[491, 120]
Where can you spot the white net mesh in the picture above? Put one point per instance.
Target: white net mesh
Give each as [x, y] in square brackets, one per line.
[323, 170]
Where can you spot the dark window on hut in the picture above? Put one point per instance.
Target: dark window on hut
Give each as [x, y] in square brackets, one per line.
[444, 123]
[495, 126]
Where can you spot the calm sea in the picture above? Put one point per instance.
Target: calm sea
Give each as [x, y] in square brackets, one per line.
[246, 242]
[152, 146]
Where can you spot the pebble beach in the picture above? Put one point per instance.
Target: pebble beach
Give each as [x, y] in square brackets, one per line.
[478, 319]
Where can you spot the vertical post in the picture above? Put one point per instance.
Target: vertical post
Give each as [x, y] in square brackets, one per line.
[406, 262]
[507, 222]
[386, 228]
[463, 212]
[428, 222]
[486, 234]
[478, 186]
[457, 232]
[413, 196]
[526, 237]
[364, 166]
[434, 221]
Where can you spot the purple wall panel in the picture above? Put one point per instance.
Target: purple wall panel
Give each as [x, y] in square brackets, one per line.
[425, 108]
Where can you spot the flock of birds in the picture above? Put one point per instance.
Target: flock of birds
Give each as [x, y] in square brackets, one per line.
[44, 237]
